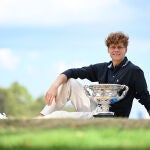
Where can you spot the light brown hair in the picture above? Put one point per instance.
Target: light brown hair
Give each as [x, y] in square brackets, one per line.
[116, 38]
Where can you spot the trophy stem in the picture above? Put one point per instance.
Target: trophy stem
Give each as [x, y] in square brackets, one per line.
[102, 110]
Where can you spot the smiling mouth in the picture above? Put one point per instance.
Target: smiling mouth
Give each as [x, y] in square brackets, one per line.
[116, 54]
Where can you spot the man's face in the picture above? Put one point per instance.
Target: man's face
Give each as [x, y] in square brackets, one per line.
[117, 52]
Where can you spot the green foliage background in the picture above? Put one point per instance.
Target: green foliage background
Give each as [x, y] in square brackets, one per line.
[16, 101]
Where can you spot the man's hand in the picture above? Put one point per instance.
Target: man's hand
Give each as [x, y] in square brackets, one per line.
[51, 95]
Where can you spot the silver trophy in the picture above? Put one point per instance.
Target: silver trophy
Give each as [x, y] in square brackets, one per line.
[104, 95]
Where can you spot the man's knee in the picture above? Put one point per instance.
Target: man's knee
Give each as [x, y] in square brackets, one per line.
[75, 84]
[72, 81]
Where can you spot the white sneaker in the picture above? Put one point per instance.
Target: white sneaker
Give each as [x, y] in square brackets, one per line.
[3, 116]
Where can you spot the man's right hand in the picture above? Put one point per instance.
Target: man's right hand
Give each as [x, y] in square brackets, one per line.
[51, 94]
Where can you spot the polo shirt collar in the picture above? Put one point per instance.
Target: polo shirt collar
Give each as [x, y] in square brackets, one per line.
[122, 64]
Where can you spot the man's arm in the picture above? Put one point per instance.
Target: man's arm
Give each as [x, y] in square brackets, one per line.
[52, 91]
[141, 91]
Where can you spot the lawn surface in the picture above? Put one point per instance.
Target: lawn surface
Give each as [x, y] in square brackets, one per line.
[101, 133]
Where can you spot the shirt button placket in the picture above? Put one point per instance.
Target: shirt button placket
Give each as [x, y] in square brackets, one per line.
[113, 78]
[117, 80]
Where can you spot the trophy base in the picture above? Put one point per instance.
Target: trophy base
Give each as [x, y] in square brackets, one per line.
[104, 114]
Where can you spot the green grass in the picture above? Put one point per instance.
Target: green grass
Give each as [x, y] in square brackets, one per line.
[74, 134]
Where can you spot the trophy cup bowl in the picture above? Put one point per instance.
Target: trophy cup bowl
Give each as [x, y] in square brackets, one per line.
[104, 95]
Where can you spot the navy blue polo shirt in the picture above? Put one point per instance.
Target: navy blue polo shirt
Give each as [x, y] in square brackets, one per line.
[126, 73]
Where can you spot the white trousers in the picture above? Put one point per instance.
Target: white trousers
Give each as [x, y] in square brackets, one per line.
[72, 90]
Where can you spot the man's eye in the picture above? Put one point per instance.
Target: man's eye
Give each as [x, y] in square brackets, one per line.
[113, 47]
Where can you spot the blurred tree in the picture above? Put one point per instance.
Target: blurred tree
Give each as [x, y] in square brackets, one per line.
[3, 96]
[37, 106]
[16, 101]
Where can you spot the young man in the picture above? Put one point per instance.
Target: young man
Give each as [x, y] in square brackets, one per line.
[118, 71]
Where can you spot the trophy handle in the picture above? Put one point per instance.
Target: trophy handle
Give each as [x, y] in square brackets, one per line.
[86, 91]
[123, 91]
[89, 92]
